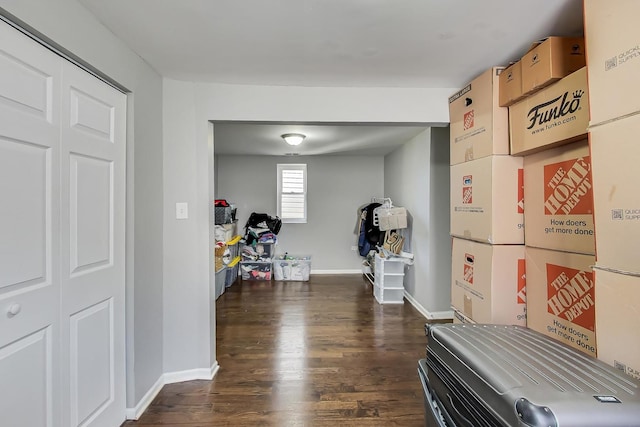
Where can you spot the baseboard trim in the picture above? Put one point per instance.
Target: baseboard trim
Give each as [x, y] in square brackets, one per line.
[429, 315]
[191, 374]
[169, 378]
[136, 412]
[356, 271]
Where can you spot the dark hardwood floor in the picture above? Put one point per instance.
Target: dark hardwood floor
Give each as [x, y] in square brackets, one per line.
[317, 353]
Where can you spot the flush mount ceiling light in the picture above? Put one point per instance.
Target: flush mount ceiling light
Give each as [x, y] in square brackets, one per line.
[293, 138]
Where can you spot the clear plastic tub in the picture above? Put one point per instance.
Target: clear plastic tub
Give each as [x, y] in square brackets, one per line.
[292, 268]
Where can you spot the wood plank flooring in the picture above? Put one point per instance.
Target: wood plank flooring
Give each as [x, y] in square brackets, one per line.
[317, 353]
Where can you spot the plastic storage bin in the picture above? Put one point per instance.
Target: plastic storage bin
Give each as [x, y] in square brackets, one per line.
[255, 270]
[220, 281]
[233, 245]
[258, 252]
[291, 267]
[232, 272]
[224, 214]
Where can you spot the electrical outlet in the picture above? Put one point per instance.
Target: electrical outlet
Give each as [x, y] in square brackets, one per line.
[182, 211]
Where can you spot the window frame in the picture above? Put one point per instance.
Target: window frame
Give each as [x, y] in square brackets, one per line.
[281, 167]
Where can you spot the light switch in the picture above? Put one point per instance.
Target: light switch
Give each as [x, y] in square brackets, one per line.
[182, 211]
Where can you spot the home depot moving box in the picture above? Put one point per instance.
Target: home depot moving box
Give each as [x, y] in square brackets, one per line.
[554, 116]
[561, 298]
[479, 127]
[559, 199]
[551, 60]
[615, 154]
[488, 282]
[487, 200]
[617, 329]
[511, 84]
[613, 42]
[459, 318]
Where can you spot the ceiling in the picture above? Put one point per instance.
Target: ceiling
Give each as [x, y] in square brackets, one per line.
[321, 139]
[331, 43]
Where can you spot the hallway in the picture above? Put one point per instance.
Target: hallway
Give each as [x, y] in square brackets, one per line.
[317, 353]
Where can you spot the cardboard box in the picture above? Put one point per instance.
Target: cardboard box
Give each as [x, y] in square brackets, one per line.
[559, 199]
[615, 153]
[561, 298]
[613, 43]
[459, 318]
[554, 116]
[479, 127]
[617, 329]
[488, 282]
[487, 200]
[511, 84]
[551, 60]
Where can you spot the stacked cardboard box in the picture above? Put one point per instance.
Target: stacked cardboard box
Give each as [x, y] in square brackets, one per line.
[613, 66]
[549, 127]
[486, 208]
[546, 62]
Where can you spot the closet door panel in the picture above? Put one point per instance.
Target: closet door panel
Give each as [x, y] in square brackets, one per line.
[29, 230]
[92, 240]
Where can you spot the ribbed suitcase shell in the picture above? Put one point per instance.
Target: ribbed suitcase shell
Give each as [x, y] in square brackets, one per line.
[496, 375]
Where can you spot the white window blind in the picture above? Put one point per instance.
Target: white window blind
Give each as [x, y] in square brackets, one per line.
[292, 192]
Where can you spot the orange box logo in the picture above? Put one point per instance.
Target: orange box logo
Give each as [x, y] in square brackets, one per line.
[467, 194]
[520, 191]
[571, 296]
[468, 120]
[522, 282]
[468, 268]
[568, 187]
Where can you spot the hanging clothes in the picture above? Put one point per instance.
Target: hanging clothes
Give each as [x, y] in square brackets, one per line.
[369, 235]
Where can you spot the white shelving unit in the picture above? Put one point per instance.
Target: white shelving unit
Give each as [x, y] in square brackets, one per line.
[389, 280]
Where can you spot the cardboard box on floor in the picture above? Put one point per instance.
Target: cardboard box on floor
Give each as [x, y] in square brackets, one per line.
[559, 199]
[554, 116]
[487, 200]
[551, 60]
[561, 299]
[511, 84]
[614, 167]
[613, 42]
[617, 330]
[479, 127]
[459, 318]
[488, 282]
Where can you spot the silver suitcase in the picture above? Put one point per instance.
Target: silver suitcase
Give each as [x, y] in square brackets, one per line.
[496, 376]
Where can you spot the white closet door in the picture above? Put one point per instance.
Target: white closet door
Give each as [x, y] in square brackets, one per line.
[92, 241]
[29, 221]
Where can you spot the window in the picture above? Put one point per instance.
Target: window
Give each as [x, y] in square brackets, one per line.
[292, 193]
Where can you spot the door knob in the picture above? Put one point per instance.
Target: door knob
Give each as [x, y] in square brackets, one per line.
[14, 309]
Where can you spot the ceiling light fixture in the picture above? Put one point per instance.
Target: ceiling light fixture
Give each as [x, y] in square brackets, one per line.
[293, 138]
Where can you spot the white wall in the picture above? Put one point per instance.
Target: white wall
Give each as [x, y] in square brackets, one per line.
[414, 179]
[336, 186]
[439, 292]
[185, 322]
[70, 25]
